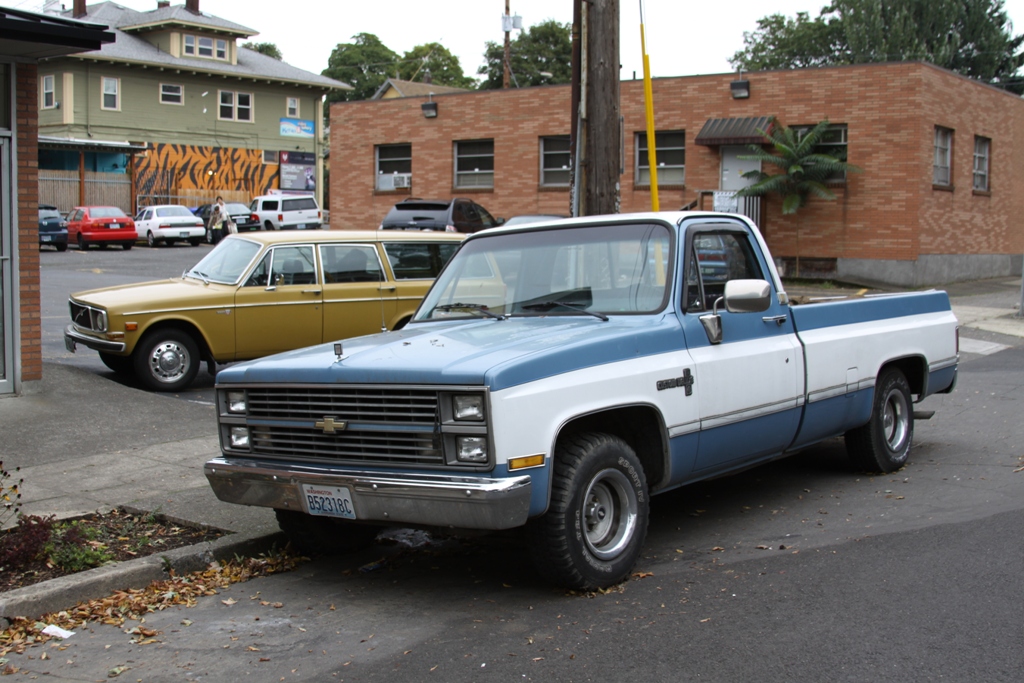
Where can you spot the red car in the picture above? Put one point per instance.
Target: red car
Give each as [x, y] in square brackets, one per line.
[101, 225]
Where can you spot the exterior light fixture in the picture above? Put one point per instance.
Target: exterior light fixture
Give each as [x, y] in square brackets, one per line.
[740, 89]
[429, 107]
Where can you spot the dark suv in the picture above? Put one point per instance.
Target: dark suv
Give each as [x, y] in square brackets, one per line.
[449, 215]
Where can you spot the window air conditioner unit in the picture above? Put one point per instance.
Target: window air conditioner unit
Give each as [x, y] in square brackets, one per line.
[402, 179]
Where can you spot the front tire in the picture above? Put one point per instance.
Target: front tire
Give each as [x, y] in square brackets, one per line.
[322, 535]
[594, 529]
[82, 244]
[122, 365]
[883, 444]
[167, 360]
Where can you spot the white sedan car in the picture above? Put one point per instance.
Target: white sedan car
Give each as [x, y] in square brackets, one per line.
[169, 223]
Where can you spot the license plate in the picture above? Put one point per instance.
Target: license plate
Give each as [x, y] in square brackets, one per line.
[301, 226]
[46, 238]
[69, 344]
[328, 501]
[113, 226]
[183, 233]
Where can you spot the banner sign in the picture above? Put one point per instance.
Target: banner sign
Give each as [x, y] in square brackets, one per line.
[297, 128]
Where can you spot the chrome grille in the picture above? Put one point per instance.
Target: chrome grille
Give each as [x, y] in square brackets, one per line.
[363, 446]
[385, 426]
[350, 404]
[87, 317]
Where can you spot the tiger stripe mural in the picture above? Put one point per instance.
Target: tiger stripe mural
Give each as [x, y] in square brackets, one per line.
[169, 169]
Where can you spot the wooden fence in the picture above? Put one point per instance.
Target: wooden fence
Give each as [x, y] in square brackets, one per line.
[62, 189]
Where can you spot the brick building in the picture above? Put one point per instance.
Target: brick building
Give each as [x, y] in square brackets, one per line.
[937, 200]
[25, 38]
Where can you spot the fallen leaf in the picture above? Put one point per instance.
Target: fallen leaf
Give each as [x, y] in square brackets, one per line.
[116, 671]
[642, 575]
[264, 659]
[229, 601]
[252, 649]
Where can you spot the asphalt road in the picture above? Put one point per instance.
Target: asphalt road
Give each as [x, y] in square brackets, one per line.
[800, 570]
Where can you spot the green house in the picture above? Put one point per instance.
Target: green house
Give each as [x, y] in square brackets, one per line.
[175, 110]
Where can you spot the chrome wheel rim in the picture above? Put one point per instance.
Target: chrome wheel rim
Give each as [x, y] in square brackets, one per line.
[895, 420]
[169, 361]
[609, 514]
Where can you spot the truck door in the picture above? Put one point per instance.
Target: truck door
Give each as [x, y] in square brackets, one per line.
[748, 386]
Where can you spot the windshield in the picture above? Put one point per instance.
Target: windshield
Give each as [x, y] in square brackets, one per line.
[598, 269]
[227, 262]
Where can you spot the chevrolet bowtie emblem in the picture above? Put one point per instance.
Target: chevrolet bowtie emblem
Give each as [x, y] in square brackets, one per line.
[331, 426]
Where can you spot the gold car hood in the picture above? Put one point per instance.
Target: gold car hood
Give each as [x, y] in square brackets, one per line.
[174, 293]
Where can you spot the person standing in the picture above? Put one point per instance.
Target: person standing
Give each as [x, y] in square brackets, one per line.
[215, 225]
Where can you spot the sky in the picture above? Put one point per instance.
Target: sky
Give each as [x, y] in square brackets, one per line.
[683, 38]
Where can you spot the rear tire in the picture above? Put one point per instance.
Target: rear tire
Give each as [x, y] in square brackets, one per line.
[127, 246]
[166, 360]
[62, 247]
[194, 241]
[324, 536]
[82, 244]
[594, 529]
[268, 226]
[883, 444]
[150, 240]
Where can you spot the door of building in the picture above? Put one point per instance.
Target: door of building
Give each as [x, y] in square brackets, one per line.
[733, 167]
[7, 308]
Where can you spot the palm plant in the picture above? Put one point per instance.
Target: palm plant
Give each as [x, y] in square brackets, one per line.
[804, 171]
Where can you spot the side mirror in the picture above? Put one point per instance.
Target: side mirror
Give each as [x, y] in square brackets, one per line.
[747, 296]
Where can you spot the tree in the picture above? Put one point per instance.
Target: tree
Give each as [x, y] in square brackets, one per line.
[970, 37]
[804, 171]
[435, 60]
[268, 49]
[365, 64]
[540, 55]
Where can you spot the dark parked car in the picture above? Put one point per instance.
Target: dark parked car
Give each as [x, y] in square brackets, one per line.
[53, 229]
[239, 213]
[449, 215]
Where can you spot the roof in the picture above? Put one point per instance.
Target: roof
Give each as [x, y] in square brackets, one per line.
[38, 36]
[129, 47]
[413, 89]
[53, 142]
[739, 131]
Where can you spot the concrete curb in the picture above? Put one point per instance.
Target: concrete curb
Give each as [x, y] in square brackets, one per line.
[67, 591]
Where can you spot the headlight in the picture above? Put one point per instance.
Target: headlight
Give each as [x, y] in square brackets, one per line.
[239, 437]
[98, 320]
[468, 407]
[236, 402]
[471, 448]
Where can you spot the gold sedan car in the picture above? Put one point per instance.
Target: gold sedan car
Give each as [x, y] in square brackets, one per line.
[257, 294]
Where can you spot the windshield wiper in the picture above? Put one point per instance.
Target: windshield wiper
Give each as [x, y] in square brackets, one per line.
[479, 308]
[203, 276]
[548, 305]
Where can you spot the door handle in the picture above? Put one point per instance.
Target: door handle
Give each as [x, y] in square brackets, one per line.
[777, 319]
[386, 289]
[311, 291]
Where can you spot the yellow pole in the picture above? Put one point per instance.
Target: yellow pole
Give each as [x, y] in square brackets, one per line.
[652, 153]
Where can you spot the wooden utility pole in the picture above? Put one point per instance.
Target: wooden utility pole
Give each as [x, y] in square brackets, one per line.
[596, 142]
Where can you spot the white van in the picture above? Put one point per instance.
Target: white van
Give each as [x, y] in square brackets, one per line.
[283, 212]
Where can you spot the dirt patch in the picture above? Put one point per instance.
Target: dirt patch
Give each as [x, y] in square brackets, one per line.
[42, 548]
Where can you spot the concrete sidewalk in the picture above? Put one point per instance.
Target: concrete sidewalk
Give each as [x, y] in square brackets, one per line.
[146, 450]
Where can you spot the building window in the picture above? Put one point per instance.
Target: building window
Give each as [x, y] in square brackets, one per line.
[111, 94]
[235, 106]
[982, 147]
[833, 142]
[222, 49]
[394, 166]
[270, 156]
[554, 160]
[474, 163]
[48, 99]
[670, 147]
[190, 45]
[942, 173]
[205, 47]
[292, 107]
[171, 94]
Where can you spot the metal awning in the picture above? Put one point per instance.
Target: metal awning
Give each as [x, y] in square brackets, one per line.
[742, 131]
[75, 144]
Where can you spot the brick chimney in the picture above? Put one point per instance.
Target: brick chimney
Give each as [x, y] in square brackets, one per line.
[79, 9]
[192, 6]
[162, 4]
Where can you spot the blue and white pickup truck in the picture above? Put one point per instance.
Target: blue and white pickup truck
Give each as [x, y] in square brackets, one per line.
[559, 374]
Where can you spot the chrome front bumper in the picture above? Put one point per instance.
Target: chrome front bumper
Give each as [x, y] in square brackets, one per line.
[465, 502]
[73, 337]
